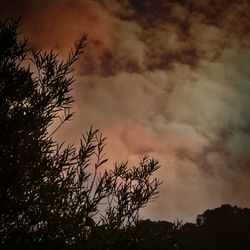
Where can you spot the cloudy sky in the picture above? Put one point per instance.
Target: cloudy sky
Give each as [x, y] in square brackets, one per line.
[167, 78]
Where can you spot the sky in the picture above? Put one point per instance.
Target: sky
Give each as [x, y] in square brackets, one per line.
[166, 78]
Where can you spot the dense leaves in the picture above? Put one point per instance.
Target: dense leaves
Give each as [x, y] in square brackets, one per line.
[54, 196]
[226, 227]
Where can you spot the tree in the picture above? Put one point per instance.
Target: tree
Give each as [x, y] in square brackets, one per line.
[52, 195]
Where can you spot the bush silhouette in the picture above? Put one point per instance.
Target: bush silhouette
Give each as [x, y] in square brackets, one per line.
[54, 196]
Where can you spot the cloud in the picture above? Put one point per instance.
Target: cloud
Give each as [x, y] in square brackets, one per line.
[169, 78]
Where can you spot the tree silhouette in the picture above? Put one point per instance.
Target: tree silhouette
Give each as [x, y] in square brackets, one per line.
[52, 195]
[226, 227]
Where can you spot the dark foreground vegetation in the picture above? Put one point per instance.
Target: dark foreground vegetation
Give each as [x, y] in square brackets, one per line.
[55, 196]
[226, 227]
[52, 195]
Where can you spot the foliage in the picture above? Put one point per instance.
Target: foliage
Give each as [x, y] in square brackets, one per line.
[52, 195]
[226, 227]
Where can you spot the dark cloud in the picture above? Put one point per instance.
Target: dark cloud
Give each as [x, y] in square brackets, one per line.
[107, 64]
[165, 61]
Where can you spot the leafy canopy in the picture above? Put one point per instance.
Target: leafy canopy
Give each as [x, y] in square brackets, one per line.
[52, 194]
